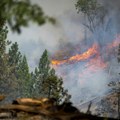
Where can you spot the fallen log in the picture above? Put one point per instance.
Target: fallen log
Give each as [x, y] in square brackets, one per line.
[41, 102]
[27, 101]
[25, 108]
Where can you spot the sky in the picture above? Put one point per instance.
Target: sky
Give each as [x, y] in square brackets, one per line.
[64, 35]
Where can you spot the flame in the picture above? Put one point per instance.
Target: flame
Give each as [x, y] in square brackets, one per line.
[96, 64]
[115, 43]
[89, 53]
[78, 57]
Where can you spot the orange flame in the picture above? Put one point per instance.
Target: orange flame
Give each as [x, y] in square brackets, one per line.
[90, 52]
[96, 63]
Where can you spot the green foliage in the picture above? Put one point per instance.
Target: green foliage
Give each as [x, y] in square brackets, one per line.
[44, 65]
[47, 83]
[3, 41]
[14, 69]
[18, 13]
[15, 75]
[53, 88]
[24, 77]
[14, 55]
[7, 78]
[3, 56]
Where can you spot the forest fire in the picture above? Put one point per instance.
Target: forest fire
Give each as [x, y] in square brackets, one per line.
[78, 57]
[94, 50]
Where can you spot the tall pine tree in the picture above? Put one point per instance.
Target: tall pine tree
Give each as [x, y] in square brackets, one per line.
[24, 77]
[15, 58]
[53, 87]
[14, 54]
[3, 60]
[48, 84]
[8, 83]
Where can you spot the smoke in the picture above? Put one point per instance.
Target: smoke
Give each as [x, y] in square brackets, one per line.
[86, 82]
[83, 79]
[113, 8]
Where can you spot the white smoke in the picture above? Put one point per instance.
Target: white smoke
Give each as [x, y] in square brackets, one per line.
[81, 82]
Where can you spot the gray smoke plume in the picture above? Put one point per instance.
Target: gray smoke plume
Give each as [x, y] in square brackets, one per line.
[83, 80]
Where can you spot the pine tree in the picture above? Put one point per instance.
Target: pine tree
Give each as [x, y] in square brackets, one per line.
[8, 84]
[54, 88]
[41, 73]
[34, 79]
[14, 54]
[24, 77]
[14, 58]
[47, 83]
[3, 58]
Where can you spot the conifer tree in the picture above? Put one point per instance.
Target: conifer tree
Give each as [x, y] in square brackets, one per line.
[7, 78]
[24, 77]
[41, 73]
[3, 58]
[14, 58]
[53, 87]
[14, 54]
[48, 84]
